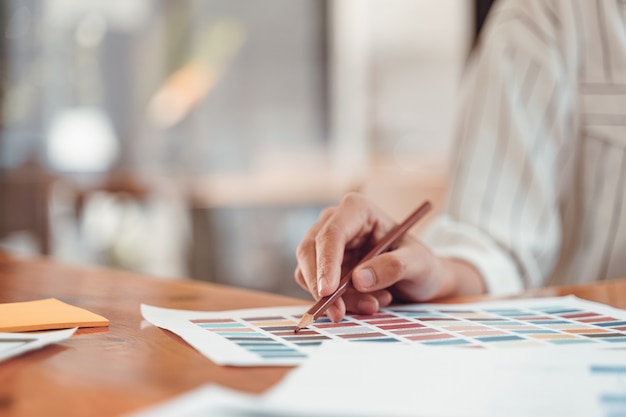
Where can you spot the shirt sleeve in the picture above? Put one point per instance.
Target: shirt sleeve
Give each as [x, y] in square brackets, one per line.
[502, 209]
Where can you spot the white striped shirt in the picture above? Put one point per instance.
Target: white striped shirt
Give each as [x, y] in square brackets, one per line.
[538, 191]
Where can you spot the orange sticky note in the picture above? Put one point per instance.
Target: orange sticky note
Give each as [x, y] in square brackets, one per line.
[46, 314]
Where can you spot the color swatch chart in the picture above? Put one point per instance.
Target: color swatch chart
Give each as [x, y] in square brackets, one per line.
[13, 344]
[266, 336]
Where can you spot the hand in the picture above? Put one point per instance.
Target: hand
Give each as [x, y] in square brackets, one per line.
[409, 272]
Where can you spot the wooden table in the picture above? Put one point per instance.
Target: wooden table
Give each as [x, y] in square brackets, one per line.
[130, 365]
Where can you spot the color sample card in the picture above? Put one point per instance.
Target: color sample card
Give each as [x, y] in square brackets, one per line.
[266, 336]
[14, 344]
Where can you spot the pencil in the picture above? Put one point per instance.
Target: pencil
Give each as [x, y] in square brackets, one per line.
[394, 235]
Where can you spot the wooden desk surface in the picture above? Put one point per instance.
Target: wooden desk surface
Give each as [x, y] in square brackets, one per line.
[116, 370]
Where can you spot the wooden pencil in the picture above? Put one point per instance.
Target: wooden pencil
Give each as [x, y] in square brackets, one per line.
[394, 235]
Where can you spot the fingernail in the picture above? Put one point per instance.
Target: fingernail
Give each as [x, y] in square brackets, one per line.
[322, 283]
[365, 277]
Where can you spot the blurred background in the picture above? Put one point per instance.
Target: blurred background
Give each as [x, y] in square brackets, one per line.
[202, 138]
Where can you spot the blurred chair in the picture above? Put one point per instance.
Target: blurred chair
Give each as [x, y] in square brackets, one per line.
[120, 184]
[24, 202]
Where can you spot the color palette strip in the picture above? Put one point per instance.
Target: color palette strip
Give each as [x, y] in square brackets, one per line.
[485, 328]
[267, 336]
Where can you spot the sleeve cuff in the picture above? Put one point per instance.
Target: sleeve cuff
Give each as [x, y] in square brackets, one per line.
[448, 238]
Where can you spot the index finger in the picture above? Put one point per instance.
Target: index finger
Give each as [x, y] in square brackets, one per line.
[306, 271]
[354, 222]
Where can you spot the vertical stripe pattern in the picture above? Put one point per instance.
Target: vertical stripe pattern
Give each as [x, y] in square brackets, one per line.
[538, 191]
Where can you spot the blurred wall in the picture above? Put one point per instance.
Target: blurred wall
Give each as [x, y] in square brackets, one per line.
[202, 138]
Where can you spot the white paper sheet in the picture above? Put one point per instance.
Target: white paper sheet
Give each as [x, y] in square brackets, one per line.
[207, 400]
[264, 336]
[13, 344]
[395, 380]
[374, 380]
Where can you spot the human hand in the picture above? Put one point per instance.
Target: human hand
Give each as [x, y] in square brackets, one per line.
[408, 272]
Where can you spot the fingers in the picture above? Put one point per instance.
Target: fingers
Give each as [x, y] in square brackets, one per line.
[350, 227]
[330, 244]
[370, 303]
[301, 280]
[344, 234]
[336, 311]
[326, 246]
[410, 271]
[306, 272]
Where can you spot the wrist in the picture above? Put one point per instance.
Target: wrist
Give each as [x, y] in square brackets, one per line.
[461, 278]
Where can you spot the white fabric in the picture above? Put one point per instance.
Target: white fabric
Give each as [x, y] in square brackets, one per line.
[538, 193]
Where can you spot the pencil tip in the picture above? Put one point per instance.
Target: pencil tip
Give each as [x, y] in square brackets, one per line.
[304, 322]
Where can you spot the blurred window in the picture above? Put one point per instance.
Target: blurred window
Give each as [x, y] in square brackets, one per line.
[192, 86]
